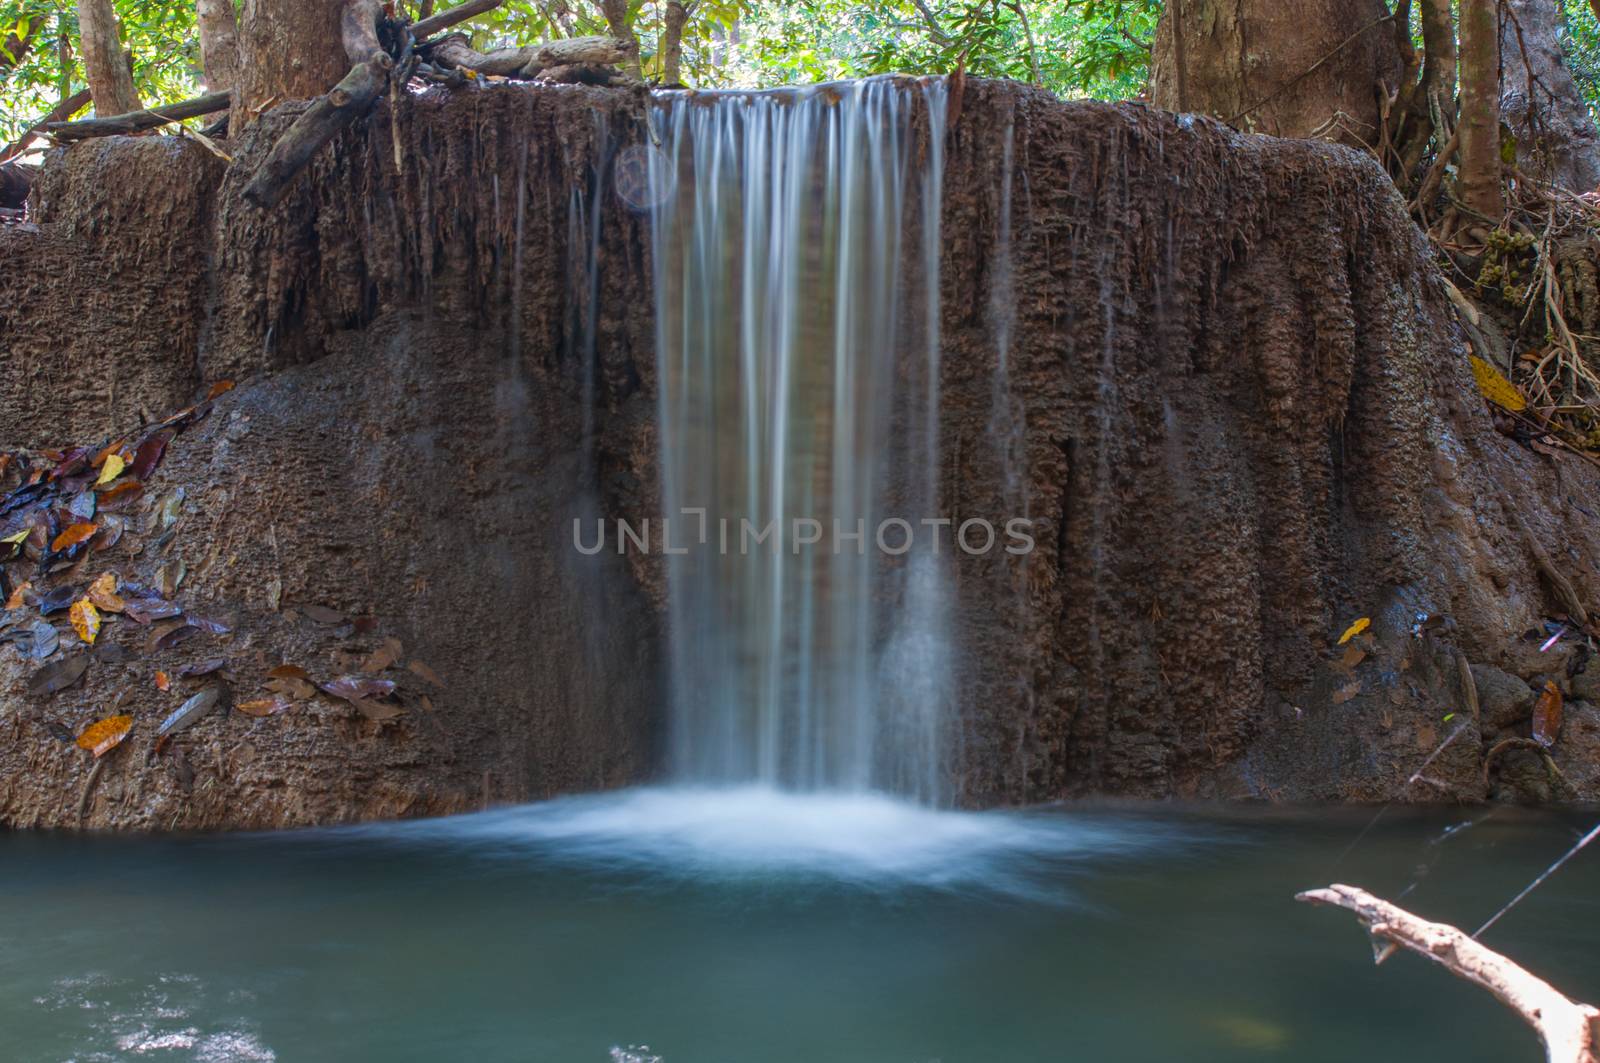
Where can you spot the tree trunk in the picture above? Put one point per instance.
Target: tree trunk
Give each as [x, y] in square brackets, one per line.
[219, 43]
[672, 44]
[1539, 100]
[104, 62]
[1293, 70]
[288, 50]
[616, 12]
[1480, 180]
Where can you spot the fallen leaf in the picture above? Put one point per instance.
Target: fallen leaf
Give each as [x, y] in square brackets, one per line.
[191, 711]
[166, 514]
[205, 667]
[323, 615]
[103, 593]
[58, 676]
[1355, 629]
[148, 456]
[57, 731]
[19, 597]
[1346, 692]
[1353, 655]
[1495, 387]
[163, 681]
[111, 528]
[274, 593]
[210, 627]
[219, 388]
[110, 653]
[149, 610]
[264, 706]
[72, 536]
[102, 736]
[376, 710]
[170, 577]
[426, 673]
[289, 686]
[106, 452]
[1547, 715]
[85, 620]
[166, 636]
[383, 657]
[46, 639]
[83, 505]
[350, 687]
[57, 600]
[111, 469]
[289, 671]
[122, 495]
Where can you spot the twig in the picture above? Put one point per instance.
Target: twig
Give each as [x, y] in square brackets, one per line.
[1567, 1028]
[1552, 869]
[424, 28]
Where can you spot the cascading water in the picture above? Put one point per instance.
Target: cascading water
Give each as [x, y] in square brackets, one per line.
[796, 243]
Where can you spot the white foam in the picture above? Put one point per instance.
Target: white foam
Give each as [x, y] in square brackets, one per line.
[864, 838]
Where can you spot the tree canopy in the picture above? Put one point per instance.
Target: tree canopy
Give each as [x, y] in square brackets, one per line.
[1098, 48]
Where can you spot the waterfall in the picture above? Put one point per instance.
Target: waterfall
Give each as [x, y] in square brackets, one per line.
[796, 250]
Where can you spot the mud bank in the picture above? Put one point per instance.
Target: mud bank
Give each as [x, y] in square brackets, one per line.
[1235, 404]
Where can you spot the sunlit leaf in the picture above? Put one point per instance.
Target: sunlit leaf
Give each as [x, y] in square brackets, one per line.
[102, 736]
[1355, 629]
[1495, 387]
[72, 536]
[111, 469]
[103, 593]
[85, 620]
[163, 681]
[264, 706]
[1547, 715]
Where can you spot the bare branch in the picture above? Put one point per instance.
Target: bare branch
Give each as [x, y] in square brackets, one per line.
[424, 28]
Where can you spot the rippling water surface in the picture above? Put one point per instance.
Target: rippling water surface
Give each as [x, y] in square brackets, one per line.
[748, 926]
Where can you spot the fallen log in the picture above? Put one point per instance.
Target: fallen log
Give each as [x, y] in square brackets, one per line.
[582, 74]
[528, 61]
[1570, 1030]
[424, 28]
[134, 121]
[317, 124]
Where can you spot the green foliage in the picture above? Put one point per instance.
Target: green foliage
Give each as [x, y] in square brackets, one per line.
[1075, 47]
[1581, 44]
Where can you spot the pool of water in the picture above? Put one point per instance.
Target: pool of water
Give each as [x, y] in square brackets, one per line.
[748, 927]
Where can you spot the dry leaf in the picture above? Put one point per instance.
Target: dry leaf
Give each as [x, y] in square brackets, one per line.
[191, 711]
[418, 668]
[111, 469]
[1355, 629]
[1547, 715]
[219, 388]
[85, 620]
[383, 657]
[264, 706]
[1353, 655]
[103, 593]
[19, 597]
[289, 671]
[1346, 692]
[121, 495]
[1495, 387]
[205, 667]
[58, 676]
[72, 536]
[376, 710]
[323, 615]
[163, 681]
[290, 687]
[102, 736]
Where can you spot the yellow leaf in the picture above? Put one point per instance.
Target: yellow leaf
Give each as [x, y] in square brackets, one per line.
[103, 593]
[102, 736]
[17, 538]
[111, 469]
[1355, 629]
[1495, 387]
[85, 620]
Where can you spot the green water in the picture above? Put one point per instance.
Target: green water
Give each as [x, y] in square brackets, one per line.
[750, 928]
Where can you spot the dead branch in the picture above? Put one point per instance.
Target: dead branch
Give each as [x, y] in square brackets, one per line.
[1570, 1030]
[59, 113]
[530, 60]
[134, 121]
[358, 29]
[317, 124]
[424, 28]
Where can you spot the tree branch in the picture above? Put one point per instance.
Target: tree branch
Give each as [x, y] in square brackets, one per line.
[59, 113]
[134, 121]
[1569, 1029]
[426, 27]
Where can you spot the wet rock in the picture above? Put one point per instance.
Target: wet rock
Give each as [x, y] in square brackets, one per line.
[1503, 700]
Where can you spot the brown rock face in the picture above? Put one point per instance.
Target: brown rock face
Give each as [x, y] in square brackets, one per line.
[1235, 406]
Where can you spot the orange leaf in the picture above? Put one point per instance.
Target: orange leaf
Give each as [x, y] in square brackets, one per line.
[111, 448]
[263, 706]
[218, 388]
[85, 620]
[103, 593]
[163, 681]
[75, 534]
[125, 491]
[102, 736]
[19, 597]
[289, 671]
[1547, 715]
